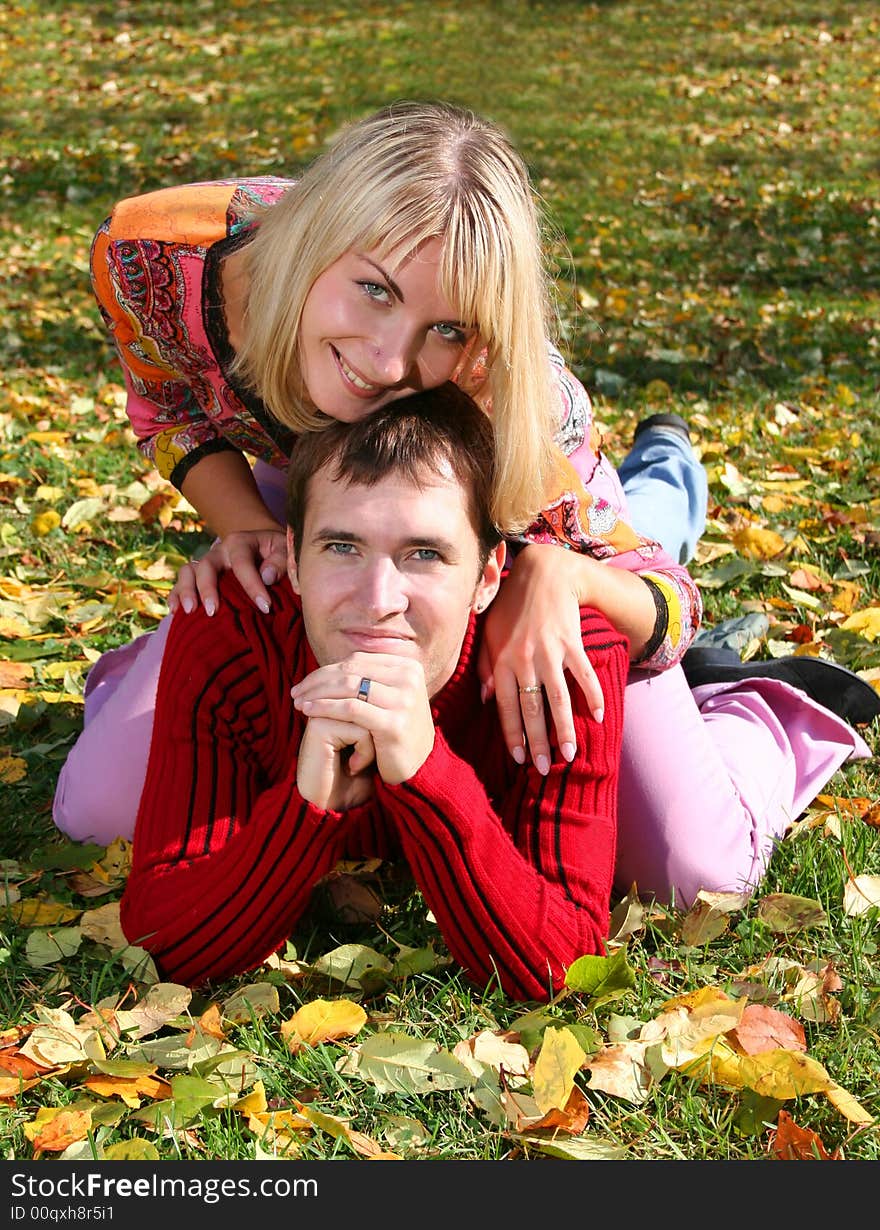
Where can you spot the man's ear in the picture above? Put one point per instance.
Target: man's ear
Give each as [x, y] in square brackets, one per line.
[490, 579]
[291, 562]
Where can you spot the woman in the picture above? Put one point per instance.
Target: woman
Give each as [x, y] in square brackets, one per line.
[410, 253]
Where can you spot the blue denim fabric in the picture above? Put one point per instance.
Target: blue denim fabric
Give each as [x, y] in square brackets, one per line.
[666, 490]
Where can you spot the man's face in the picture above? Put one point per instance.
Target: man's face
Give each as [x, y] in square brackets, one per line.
[391, 568]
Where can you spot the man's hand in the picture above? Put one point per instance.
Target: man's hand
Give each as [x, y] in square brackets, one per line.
[396, 714]
[334, 768]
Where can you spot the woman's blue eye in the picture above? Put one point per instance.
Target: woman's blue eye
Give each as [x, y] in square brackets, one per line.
[449, 333]
[375, 290]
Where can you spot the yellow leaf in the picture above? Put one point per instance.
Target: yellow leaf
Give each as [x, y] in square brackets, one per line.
[43, 523]
[754, 543]
[34, 912]
[12, 769]
[560, 1057]
[48, 437]
[778, 1074]
[253, 1103]
[866, 623]
[323, 1021]
[848, 1106]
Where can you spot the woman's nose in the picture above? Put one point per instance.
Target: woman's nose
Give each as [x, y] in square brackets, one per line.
[395, 356]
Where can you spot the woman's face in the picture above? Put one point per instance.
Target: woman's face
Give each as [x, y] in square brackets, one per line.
[375, 328]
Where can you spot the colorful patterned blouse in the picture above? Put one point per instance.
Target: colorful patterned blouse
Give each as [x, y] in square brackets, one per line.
[155, 269]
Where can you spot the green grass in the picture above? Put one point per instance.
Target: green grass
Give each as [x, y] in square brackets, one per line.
[707, 174]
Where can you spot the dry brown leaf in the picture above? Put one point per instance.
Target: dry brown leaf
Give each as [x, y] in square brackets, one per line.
[103, 926]
[353, 900]
[872, 816]
[495, 1051]
[15, 674]
[621, 1071]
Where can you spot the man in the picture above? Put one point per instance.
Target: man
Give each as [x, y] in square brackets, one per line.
[349, 723]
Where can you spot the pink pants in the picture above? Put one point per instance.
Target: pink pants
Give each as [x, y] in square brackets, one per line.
[710, 779]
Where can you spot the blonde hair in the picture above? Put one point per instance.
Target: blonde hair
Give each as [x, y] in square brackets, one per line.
[410, 172]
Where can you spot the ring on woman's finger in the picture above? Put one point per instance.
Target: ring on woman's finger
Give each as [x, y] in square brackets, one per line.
[363, 692]
[533, 687]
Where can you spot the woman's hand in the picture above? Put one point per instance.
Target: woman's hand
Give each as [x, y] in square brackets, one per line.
[532, 635]
[257, 557]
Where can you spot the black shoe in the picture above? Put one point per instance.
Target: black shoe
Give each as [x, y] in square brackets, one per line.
[673, 421]
[827, 683]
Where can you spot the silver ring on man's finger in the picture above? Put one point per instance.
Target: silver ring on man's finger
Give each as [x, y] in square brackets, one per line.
[533, 687]
[363, 692]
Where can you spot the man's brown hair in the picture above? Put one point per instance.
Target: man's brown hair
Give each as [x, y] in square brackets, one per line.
[415, 437]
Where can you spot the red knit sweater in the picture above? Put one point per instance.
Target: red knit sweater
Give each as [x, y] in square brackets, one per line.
[516, 868]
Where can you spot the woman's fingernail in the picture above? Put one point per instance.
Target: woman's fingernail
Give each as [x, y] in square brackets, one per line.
[210, 606]
[484, 692]
[519, 755]
[599, 714]
[542, 764]
[568, 750]
[268, 575]
[188, 605]
[263, 604]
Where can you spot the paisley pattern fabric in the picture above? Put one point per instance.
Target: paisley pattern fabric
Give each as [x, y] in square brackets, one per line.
[155, 268]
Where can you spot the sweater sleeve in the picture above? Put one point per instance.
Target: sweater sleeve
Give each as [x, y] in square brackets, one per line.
[226, 851]
[520, 884]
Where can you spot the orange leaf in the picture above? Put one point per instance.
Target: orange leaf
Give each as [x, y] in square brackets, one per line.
[62, 1131]
[573, 1119]
[791, 1143]
[872, 816]
[20, 1065]
[766, 1029]
[129, 1088]
[210, 1021]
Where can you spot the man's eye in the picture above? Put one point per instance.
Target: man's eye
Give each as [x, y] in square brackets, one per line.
[427, 555]
[341, 548]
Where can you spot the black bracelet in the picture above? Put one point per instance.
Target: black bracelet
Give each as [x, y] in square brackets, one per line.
[661, 620]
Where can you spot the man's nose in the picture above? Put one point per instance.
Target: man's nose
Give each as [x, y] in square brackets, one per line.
[385, 590]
